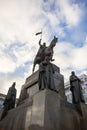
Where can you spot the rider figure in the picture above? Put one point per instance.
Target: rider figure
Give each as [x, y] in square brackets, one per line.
[42, 50]
[42, 47]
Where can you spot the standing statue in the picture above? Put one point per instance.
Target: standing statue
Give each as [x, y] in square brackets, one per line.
[76, 89]
[45, 53]
[10, 99]
[42, 82]
[46, 80]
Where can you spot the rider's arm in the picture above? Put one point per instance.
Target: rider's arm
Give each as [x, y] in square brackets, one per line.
[40, 42]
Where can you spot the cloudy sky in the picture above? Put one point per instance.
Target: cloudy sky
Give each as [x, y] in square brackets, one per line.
[21, 19]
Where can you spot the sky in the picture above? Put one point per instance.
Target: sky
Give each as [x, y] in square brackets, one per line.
[20, 20]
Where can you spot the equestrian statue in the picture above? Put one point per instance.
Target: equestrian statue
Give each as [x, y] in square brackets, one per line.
[45, 53]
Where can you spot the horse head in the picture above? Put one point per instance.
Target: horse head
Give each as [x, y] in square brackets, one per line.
[53, 42]
[55, 39]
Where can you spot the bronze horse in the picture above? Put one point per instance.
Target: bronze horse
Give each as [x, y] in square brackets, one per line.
[47, 54]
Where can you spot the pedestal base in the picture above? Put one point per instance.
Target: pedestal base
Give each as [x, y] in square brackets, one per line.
[46, 110]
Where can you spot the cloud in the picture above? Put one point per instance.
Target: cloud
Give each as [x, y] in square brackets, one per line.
[70, 12]
[79, 58]
[20, 20]
[69, 58]
[6, 81]
[6, 63]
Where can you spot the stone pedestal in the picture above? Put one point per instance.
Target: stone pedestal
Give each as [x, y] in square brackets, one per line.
[46, 110]
[50, 112]
[31, 87]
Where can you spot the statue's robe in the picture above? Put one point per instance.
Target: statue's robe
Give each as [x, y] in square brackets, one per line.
[9, 101]
[10, 98]
[75, 87]
[42, 76]
[46, 79]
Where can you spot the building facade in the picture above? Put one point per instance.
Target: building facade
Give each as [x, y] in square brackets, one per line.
[2, 98]
[68, 93]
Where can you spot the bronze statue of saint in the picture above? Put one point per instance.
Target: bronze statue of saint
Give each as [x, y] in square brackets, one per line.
[46, 79]
[42, 81]
[76, 89]
[9, 101]
[10, 97]
[45, 53]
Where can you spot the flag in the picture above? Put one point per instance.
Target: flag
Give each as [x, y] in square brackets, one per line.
[38, 33]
